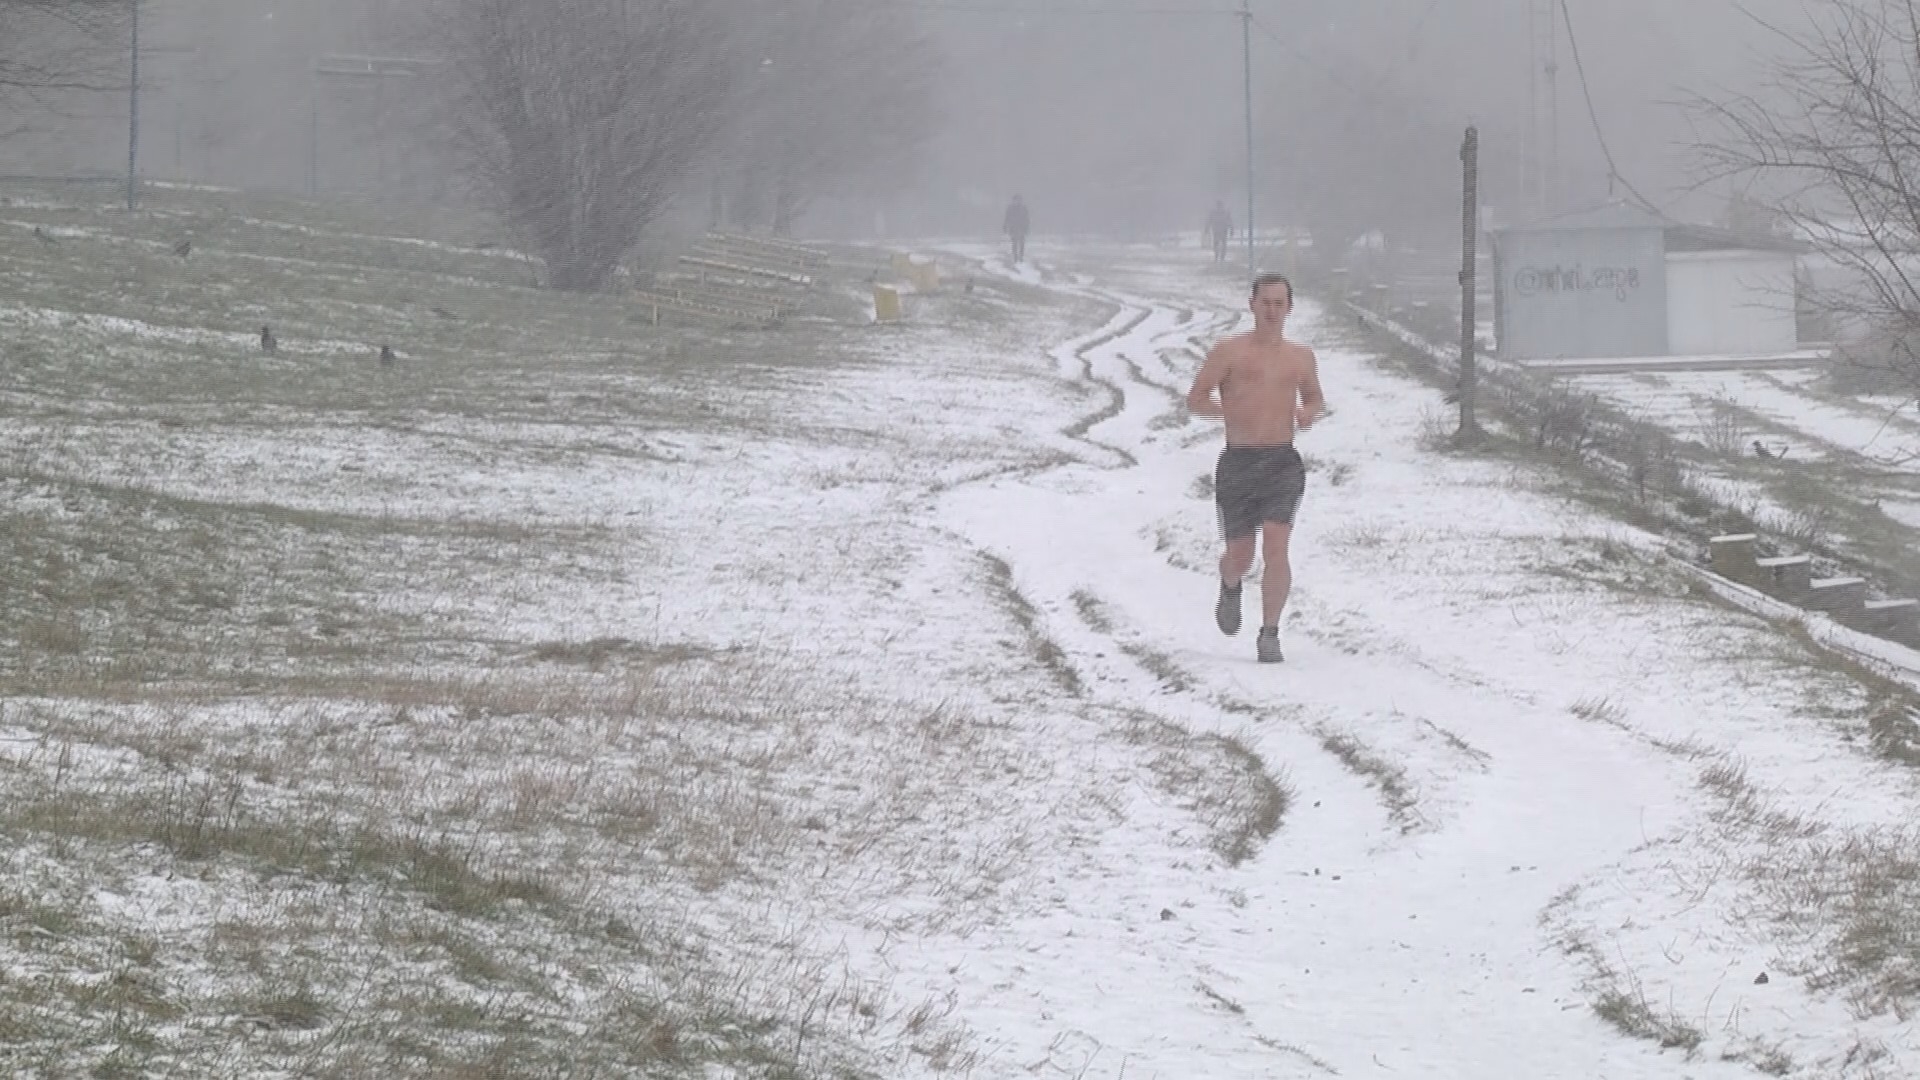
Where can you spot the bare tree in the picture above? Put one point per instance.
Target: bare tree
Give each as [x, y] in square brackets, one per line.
[49, 48]
[841, 91]
[585, 116]
[1832, 145]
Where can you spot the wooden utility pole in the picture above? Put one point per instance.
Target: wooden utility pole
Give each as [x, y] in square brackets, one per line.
[1469, 234]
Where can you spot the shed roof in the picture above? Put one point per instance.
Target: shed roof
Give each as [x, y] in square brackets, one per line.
[1618, 214]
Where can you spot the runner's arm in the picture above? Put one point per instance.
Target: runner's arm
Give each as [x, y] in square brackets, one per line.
[1201, 399]
[1313, 401]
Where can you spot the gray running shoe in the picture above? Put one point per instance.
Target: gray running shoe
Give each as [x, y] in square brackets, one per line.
[1268, 645]
[1227, 611]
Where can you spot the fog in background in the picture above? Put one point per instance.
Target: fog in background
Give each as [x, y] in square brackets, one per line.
[1110, 119]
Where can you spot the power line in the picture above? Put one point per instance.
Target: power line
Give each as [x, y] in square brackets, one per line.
[1613, 169]
[1367, 95]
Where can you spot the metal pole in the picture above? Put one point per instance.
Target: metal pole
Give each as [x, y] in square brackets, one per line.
[133, 116]
[1469, 233]
[1246, 50]
[313, 134]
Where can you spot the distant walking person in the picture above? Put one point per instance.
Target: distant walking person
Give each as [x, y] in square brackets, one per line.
[1017, 224]
[1220, 230]
[1268, 390]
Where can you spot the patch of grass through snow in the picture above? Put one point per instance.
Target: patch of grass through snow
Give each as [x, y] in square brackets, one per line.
[1156, 663]
[1045, 652]
[1390, 780]
[1221, 780]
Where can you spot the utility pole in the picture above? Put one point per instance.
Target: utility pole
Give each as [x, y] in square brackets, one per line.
[133, 115]
[1246, 51]
[1469, 234]
[313, 132]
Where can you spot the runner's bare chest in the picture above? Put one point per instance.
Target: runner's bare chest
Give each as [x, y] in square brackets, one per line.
[1262, 377]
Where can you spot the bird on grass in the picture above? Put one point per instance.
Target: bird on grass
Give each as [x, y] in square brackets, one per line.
[268, 343]
[44, 236]
[386, 356]
[1765, 454]
[184, 248]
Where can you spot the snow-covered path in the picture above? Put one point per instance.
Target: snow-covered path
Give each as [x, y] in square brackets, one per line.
[1493, 703]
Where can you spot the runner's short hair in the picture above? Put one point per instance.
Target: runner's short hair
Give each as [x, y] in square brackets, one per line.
[1273, 279]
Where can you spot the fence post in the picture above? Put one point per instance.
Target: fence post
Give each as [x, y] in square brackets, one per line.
[1469, 234]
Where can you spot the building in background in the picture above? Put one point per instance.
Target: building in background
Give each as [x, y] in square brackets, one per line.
[1619, 282]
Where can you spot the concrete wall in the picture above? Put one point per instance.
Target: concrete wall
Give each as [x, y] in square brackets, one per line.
[1730, 303]
[1580, 293]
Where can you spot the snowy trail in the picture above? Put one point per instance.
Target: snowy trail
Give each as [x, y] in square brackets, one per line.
[1393, 923]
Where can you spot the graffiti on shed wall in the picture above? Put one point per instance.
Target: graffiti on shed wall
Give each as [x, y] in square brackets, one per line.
[1622, 281]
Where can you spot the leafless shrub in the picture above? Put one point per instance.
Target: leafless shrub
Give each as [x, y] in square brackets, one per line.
[584, 116]
[1723, 427]
[1437, 428]
[1564, 421]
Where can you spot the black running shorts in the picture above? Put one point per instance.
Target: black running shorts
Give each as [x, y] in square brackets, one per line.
[1254, 485]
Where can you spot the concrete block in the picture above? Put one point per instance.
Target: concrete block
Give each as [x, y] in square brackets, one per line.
[1841, 595]
[1735, 559]
[1895, 619]
[1786, 576]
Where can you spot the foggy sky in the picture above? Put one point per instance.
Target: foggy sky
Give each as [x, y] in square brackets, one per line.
[1105, 121]
[1067, 106]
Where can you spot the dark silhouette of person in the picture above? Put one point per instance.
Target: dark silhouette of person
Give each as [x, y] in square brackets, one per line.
[1018, 223]
[1219, 230]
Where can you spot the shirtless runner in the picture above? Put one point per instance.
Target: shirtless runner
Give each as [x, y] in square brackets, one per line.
[1269, 388]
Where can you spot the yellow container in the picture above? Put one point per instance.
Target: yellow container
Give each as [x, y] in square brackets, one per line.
[886, 303]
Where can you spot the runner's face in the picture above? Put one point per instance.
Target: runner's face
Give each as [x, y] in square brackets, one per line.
[1271, 304]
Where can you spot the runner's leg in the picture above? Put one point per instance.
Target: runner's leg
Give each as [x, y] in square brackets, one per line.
[1277, 582]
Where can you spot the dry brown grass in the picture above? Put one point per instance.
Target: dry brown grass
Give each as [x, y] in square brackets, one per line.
[525, 833]
[1046, 654]
[1396, 791]
[1221, 780]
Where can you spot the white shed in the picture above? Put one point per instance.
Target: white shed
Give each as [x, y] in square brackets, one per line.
[1619, 281]
[1729, 295]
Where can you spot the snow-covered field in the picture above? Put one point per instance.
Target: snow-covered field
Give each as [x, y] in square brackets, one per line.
[845, 700]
